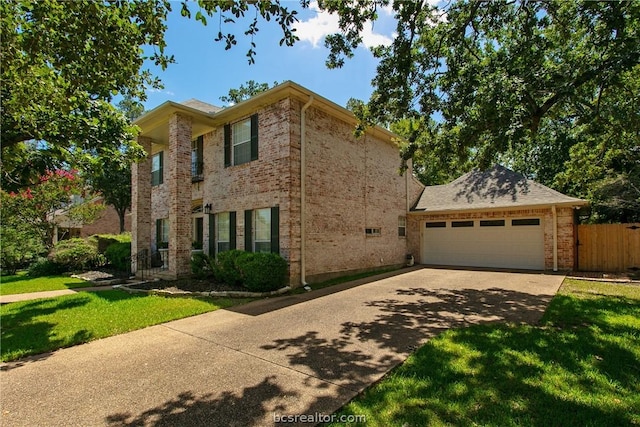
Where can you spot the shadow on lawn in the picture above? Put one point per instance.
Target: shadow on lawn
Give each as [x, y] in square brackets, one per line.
[419, 313]
[22, 335]
[575, 370]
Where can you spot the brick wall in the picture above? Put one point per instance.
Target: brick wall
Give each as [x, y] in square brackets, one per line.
[107, 223]
[141, 208]
[352, 184]
[263, 183]
[565, 230]
[177, 169]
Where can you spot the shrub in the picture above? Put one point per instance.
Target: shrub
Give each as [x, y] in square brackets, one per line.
[45, 267]
[118, 254]
[202, 265]
[225, 268]
[103, 241]
[76, 254]
[262, 272]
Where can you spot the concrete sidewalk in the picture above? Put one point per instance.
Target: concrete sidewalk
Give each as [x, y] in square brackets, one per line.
[5, 299]
[291, 355]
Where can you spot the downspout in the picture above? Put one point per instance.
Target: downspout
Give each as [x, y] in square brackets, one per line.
[555, 237]
[303, 180]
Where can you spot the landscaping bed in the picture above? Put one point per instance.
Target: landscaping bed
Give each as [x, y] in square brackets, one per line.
[187, 285]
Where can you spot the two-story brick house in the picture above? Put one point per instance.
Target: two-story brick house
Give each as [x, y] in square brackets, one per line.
[280, 172]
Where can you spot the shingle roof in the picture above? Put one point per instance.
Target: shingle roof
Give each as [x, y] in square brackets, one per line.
[497, 187]
[202, 106]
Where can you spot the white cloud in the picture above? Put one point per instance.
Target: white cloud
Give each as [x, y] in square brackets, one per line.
[315, 29]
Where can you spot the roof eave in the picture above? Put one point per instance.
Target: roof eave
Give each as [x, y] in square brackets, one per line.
[568, 204]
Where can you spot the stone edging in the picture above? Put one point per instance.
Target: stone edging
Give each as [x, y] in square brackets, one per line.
[227, 294]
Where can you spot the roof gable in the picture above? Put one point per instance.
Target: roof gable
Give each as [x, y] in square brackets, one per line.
[497, 187]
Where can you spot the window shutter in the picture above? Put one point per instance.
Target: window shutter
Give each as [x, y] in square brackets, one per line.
[254, 137]
[248, 231]
[212, 235]
[275, 230]
[158, 232]
[199, 155]
[227, 145]
[232, 230]
[161, 172]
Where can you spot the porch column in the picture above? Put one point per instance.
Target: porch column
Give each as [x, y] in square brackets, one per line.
[178, 179]
[141, 200]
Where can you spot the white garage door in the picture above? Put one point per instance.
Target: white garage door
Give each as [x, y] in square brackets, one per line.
[500, 243]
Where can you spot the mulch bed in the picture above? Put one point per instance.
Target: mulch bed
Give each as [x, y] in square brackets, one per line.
[187, 285]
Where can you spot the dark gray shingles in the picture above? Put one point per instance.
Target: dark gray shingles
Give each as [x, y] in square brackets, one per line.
[497, 187]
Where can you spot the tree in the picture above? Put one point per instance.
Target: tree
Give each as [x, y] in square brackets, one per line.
[110, 176]
[62, 62]
[31, 212]
[245, 92]
[491, 73]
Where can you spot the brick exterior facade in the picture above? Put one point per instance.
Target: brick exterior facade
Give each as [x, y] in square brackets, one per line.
[352, 184]
[141, 201]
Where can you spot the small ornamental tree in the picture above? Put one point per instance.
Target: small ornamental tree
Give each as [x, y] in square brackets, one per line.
[32, 210]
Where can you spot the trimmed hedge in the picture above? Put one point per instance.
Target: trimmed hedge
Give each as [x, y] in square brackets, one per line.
[225, 268]
[118, 254]
[202, 265]
[45, 267]
[262, 272]
[76, 254]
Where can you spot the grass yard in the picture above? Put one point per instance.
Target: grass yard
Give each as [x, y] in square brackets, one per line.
[42, 325]
[579, 367]
[22, 284]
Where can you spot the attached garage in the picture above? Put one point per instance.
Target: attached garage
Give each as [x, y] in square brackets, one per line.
[495, 219]
[502, 243]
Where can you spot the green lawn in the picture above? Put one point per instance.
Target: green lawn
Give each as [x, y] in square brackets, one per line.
[22, 284]
[579, 367]
[42, 325]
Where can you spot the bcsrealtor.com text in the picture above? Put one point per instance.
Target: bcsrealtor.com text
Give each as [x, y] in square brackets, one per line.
[318, 417]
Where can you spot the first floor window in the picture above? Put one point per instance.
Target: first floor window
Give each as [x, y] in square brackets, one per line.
[162, 233]
[262, 230]
[402, 226]
[198, 233]
[222, 232]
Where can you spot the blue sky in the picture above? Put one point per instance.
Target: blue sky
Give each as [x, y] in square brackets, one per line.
[205, 71]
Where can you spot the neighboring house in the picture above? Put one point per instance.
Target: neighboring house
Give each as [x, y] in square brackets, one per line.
[495, 218]
[281, 172]
[107, 222]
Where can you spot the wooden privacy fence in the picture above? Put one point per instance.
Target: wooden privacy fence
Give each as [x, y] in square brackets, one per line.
[608, 247]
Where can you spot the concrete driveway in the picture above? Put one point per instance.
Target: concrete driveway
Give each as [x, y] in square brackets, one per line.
[292, 355]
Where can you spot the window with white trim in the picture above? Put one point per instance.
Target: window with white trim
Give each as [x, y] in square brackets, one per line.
[262, 230]
[241, 141]
[156, 169]
[222, 232]
[373, 232]
[402, 226]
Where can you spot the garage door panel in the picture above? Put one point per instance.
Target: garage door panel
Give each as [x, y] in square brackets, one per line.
[491, 246]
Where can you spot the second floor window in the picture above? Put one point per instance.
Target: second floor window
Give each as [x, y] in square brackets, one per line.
[156, 168]
[241, 141]
[197, 164]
